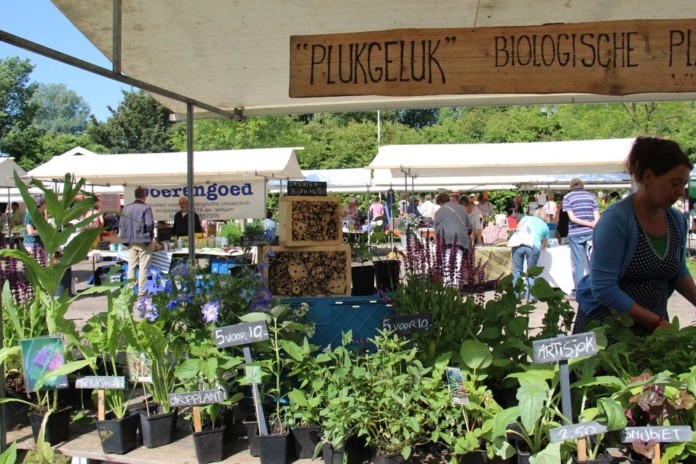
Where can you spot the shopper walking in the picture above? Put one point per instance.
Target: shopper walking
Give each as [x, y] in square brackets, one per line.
[137, 228]
[583, 214]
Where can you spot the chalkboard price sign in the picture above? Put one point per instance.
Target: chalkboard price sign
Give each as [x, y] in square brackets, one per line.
[101, 382]
[197, 398]
[575, 431]
[564, 348]
[241, 334]
[411, 323]
[306, 188]
[674, 434]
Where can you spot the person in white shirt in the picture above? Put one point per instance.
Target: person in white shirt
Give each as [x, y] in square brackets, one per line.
[427, 209]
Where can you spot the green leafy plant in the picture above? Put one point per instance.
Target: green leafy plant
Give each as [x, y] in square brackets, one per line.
[308, 397]
[276, 364]
[232, 230]
[104, 335]
[209, 368]
[393, 392]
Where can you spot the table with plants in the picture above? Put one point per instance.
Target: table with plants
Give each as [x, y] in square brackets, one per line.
[385, 398]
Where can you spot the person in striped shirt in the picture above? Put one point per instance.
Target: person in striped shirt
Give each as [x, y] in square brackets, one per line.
[583, 213]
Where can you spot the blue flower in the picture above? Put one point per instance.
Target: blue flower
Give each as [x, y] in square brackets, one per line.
[182, 270]
[248, 294]
[210, 311]
[269, 254]
[147, 309]
[172, 304]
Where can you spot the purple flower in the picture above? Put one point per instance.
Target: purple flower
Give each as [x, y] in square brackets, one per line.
[56, 362]
[181, 270]
[172, 304]
[210, 311]
[42, 356]
[147, 309]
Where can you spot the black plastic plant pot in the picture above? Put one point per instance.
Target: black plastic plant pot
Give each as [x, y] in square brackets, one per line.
[601, 458]
[306, 440]
[252, 432]
[57, 426]
[209, 445]
[273, 449]
[396, 458]
[363, 279]
[387, 274]
[157, 430]
[474, 457]
[330, 455]
[229, 421]
[118, 436]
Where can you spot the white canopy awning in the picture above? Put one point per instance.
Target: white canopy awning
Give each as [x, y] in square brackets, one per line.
[235, 54]
[508, 163]
[170, 168]
[7, 170]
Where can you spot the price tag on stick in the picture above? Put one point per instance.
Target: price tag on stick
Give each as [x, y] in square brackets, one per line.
[245, 334]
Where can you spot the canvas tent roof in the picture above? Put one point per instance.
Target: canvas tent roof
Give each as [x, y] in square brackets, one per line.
[170, 168]
[502, 162]
[7, 169]
[235, 54]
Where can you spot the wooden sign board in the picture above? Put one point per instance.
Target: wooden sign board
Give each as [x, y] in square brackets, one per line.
[306, 188]
[101, 382]
[673, 434]
[197, 398]
[564, 348]
[411, 323]
[241, 334]
[575, 431]
[605, 58]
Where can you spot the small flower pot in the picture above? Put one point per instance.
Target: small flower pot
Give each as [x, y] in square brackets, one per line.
[474, 457]
[209, 445]
[252, 431]
[273, 449]
[157, 430]
[306, 440]
[118, 436]
[57, 426]
[381, 458]
[387, 274]
[363, 279]
[331, 455]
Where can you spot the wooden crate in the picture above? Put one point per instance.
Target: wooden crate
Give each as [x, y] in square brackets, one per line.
[309, 271]
[310, 221]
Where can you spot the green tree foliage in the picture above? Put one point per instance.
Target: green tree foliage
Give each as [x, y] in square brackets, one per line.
[224, 134]
[138, 125]
[60, 110]
[17, 136]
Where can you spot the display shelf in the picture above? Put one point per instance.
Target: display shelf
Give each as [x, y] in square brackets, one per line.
[84, 443]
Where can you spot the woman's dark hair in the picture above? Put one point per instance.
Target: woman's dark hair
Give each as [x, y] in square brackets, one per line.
[658, 155]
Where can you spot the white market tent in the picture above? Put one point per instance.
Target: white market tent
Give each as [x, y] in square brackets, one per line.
[7, 169]
[170, 168]
[337, 180]
[235, 55]
[509, 163]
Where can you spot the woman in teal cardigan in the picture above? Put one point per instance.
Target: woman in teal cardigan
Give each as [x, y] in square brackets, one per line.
[638, 258]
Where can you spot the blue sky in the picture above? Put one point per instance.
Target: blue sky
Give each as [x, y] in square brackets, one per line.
[40, 21]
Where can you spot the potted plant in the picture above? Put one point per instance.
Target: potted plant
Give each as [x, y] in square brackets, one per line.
[308, 397]
[208, 368]
[467, 428]
[394, 392]
[118, 430]
[157, 347]
[275, 365]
